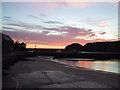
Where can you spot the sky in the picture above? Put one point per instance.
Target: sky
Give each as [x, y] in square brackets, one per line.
[58, 24]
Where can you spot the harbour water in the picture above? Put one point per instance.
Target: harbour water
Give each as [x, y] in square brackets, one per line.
[102, 65]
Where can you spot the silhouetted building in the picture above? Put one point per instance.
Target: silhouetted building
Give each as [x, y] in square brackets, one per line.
[7, 43]
[74, 48]
[103, 46]
[20, 46]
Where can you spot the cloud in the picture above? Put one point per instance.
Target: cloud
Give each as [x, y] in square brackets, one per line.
[48, 31]
[52, 22]
[67, 4]
[93, 35]
[7, 17]
[74, 31]
[79, 4]
[21, 25]
[47, 8]
[35, 38]
[56, 33]
[36, 17]
[33, 16]
[103, 23]
[43, 15]
[26, 27]
[52, 36]
[43, 35]
[102, 33]
[98, 22]
[8, 28]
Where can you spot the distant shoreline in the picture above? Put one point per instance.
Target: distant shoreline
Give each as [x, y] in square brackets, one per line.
[91, 55]
[88, 55]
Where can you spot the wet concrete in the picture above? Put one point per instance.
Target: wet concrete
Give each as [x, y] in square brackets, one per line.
[80, 84]
[41, 72]
[38, 78]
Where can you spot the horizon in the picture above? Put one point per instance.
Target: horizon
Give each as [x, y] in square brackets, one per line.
[33, 46]
[54, 25]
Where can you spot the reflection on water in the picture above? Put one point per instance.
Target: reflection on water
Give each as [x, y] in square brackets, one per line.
[108, 65]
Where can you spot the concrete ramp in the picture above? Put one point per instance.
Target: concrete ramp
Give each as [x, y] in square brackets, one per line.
[54, 79]
[35, 79]
[61, 77]
[81, 84]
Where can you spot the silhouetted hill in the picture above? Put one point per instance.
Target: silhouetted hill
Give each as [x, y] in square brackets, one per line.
[74, 47]
[103, 46]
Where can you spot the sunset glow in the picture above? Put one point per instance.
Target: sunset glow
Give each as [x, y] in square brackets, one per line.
[44, 46]
[58, 24]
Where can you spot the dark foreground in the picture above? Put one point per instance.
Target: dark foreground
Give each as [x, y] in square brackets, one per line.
[41, 72]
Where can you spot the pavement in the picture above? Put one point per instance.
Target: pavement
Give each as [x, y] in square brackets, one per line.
[41, 72]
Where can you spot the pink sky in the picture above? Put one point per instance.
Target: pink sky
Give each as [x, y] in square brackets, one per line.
[56, 25]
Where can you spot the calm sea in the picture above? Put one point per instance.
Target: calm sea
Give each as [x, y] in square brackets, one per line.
[106, 65]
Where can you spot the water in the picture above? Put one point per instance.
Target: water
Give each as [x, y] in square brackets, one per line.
[106, 65]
